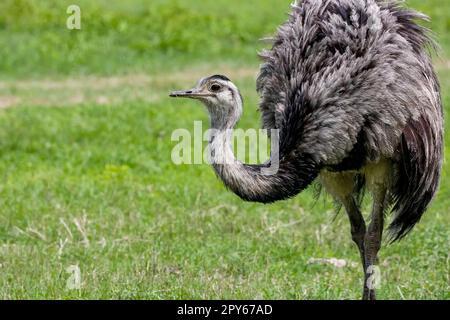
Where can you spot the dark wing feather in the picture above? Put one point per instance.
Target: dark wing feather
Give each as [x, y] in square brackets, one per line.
[418, 177]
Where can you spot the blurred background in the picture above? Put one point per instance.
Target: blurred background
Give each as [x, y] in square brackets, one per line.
[87, 179]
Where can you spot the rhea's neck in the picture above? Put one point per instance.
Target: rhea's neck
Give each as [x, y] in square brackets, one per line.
[244, 180]
[249, 181]
[223, 120]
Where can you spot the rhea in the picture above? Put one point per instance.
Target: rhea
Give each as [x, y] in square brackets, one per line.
[350, 87]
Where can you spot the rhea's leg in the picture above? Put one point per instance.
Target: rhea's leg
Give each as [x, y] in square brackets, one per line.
[372, 243]
[341, 186]
[357, 225]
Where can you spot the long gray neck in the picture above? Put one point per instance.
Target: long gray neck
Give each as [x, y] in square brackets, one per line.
[252, 182]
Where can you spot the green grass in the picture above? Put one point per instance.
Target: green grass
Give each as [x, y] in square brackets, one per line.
[127, 36]
[92, 184]
[140, 35]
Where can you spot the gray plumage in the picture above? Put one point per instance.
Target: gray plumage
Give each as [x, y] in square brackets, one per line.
[362, 70]
[351, 87]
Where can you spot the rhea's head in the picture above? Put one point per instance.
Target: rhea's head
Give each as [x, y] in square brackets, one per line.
[220, 96]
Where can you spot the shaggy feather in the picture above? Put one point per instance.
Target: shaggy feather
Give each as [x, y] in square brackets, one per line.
[350, 82]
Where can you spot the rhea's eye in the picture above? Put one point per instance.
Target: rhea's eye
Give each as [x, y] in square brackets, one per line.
[215, 87]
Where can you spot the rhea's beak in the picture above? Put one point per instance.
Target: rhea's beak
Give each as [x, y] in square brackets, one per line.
[191, 93]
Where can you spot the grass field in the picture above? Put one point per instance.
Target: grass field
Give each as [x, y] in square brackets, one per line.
[87, 178]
